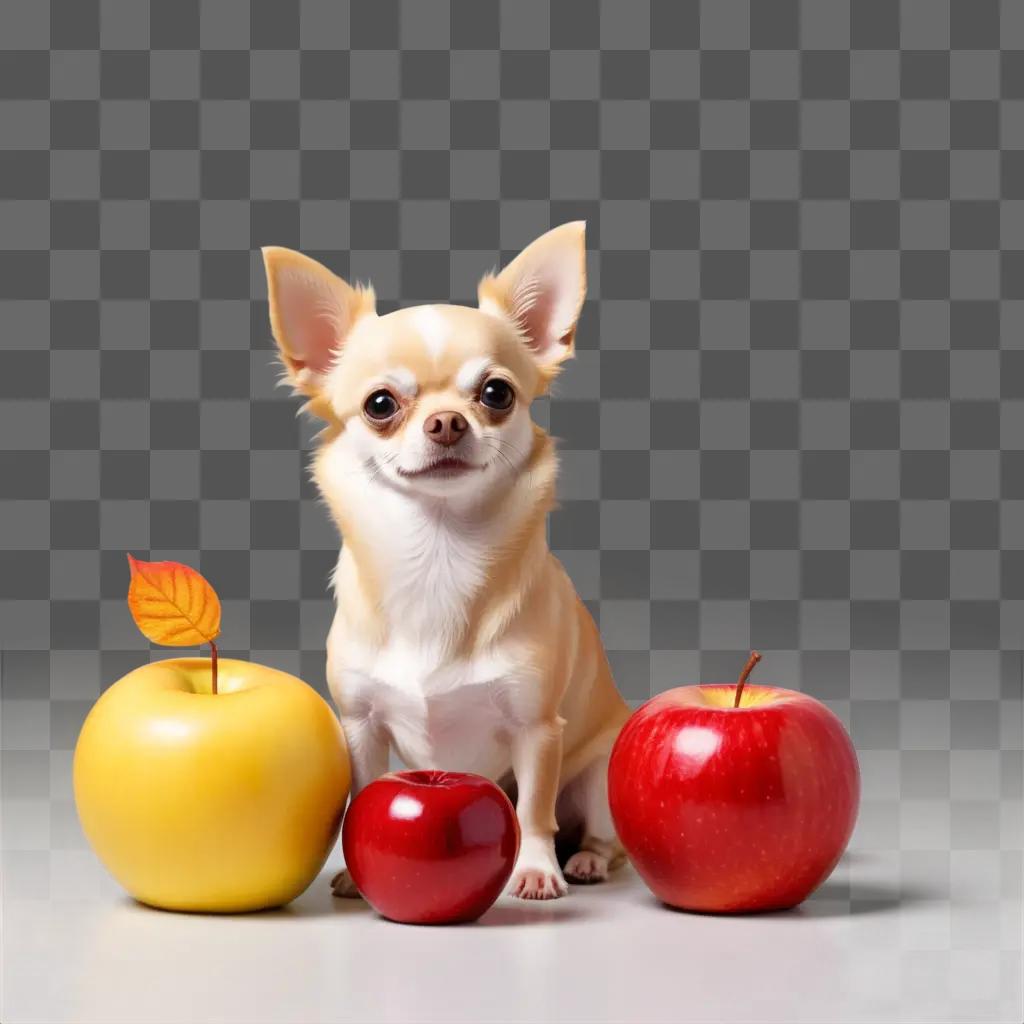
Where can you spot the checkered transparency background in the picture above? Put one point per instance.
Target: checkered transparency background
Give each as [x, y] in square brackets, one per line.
[795, 420]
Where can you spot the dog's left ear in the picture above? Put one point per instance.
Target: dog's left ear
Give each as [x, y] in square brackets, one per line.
[541, 291]
[312, 313]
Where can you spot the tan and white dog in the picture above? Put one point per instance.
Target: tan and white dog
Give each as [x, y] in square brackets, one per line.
[458, 638]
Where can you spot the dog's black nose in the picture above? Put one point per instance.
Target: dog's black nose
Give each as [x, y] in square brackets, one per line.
[445, 427]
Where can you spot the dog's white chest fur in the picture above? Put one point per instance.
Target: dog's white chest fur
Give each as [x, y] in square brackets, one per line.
[440, 710]
[434, 566]
[454, 716]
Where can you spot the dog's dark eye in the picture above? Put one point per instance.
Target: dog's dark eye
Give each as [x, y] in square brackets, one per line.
[381, 405]
[497, 394]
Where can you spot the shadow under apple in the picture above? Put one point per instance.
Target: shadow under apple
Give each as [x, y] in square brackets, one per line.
[833, 899]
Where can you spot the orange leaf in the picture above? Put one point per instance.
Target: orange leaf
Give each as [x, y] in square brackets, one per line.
[172, 604]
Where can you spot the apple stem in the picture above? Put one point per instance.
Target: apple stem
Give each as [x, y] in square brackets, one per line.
[754, 658]
[213, 668]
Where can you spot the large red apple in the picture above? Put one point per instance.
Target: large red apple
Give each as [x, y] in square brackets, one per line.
[431, 847]
[734, 798]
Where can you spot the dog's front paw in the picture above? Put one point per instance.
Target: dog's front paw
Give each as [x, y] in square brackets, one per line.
[342, 885]
[586, 867]
[537, 875]
[537, 883]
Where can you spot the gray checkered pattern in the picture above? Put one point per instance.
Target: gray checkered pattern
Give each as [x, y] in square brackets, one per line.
[796, 420]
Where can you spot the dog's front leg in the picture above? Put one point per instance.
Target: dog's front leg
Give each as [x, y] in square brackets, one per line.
[537, 762]
[368, 755]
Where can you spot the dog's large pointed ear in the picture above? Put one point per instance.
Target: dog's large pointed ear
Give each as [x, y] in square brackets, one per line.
[312, 313]
[541, 291]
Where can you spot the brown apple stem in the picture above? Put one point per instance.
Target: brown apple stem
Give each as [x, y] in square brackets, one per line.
[754, 658]
[213, 668]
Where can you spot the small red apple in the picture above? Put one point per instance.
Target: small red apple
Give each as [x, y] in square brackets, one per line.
[431, 847]
[730, 798]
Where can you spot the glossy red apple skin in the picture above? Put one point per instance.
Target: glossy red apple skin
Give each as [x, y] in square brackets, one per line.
[431, 847]
[729, 810]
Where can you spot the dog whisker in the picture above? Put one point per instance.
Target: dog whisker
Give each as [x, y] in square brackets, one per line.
[377, 465]
[501, 454]
[504, 443]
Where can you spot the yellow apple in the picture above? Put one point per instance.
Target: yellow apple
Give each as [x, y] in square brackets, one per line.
[211, 802]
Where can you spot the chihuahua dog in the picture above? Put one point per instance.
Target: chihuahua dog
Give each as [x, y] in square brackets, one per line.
[458, 638]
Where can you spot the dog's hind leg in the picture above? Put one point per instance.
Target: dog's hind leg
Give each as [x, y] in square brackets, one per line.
[599, 850]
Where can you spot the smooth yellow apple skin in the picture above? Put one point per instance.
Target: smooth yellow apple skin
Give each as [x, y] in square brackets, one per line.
[217, 803]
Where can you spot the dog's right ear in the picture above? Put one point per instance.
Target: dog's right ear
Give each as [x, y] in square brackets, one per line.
[312, 313]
